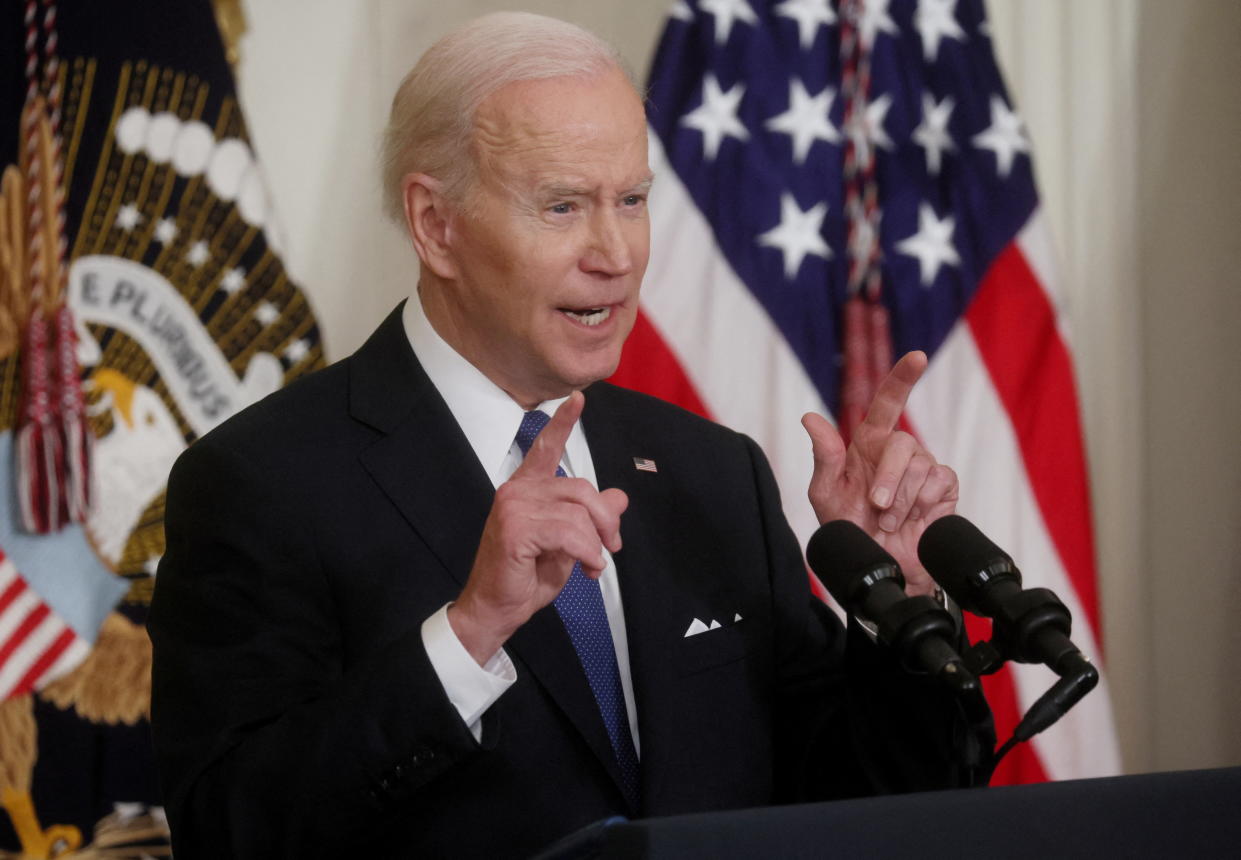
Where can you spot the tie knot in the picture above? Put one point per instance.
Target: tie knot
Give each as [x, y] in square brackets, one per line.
[532, 423]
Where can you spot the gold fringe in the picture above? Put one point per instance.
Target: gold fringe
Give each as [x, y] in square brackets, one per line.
[13, 299]
[14, 261]
[53, 277]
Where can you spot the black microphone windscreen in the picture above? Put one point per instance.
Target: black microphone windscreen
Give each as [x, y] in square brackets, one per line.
[841, 554]
[952, 549]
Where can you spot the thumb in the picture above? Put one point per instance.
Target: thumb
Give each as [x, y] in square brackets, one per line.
[826, 444]
[828, 449]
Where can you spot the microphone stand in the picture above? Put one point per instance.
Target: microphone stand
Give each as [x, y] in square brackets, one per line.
[1046, 617]
[979, 743]
[920, 625]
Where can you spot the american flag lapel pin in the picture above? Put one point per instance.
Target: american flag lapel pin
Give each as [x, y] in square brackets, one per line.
[644, 465]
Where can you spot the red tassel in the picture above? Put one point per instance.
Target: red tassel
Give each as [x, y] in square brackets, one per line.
[40, 455]
[855, 390]
[868, 358]
[54, 439]
[880, 334]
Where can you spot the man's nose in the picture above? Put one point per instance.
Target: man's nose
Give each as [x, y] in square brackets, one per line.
[608, 252]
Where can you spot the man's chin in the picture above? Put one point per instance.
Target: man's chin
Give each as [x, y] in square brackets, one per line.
[587, 370]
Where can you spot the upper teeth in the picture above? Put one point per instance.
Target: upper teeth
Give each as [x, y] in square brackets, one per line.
[591, 317]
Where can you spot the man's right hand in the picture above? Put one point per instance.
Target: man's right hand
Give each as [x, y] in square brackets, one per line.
[538, 526]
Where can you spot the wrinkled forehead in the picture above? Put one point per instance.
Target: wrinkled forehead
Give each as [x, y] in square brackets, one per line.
[561, 121]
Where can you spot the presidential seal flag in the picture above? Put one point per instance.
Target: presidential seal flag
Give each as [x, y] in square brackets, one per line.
[142, 296]
[839, 183]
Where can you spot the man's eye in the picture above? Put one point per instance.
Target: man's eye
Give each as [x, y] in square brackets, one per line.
[634, 200]
[561, 208]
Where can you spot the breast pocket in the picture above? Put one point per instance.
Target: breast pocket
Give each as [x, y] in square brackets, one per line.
[711, 648]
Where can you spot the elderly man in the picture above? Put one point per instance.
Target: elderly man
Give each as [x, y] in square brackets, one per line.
[398, 616]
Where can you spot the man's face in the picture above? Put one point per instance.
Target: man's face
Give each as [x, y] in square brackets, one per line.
[551, 247]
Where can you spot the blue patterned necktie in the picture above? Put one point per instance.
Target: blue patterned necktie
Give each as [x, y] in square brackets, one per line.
[580, 604]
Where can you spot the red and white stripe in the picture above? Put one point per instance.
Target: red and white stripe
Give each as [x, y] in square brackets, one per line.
[36, 646]
[710, 346]
[999, 404]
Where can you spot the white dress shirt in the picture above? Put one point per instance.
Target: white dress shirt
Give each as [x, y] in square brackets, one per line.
[490, 418]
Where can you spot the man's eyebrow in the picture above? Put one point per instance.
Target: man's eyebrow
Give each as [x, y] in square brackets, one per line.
[557, 190]
[645, 184]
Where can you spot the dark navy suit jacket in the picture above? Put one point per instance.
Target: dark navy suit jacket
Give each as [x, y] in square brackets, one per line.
[294, 708]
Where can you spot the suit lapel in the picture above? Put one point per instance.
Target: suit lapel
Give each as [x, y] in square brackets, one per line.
[390, 392]
[423, 446]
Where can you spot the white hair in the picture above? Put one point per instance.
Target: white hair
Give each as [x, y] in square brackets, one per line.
[432, 118]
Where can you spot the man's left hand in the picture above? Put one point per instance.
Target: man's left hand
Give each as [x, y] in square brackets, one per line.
[884, 481]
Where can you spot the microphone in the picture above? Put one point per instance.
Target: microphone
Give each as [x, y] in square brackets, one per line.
[1028, 625]
[867, 582]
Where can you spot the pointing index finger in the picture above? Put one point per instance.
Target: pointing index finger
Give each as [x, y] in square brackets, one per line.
[548, 449]
[885, 410]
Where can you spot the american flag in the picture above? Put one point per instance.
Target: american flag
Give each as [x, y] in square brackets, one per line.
[36, 645]
[843, 182]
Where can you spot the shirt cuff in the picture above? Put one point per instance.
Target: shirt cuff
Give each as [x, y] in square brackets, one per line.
[471, 688]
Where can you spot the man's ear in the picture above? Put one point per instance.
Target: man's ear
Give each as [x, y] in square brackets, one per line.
[427, 215]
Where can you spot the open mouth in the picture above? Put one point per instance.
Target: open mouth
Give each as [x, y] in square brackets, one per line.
[588, 316]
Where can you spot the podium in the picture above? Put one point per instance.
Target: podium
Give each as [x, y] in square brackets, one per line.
[1185, 814]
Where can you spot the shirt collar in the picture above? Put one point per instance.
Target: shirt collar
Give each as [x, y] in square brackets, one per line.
[486, 414]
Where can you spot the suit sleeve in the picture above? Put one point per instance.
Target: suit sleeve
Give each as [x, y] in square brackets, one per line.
[850, 721]
[267, 748]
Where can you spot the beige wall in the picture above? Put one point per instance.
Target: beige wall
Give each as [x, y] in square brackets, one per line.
[1133, 116]
[1189, 179]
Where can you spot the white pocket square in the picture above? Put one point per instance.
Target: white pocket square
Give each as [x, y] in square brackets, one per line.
[698, 626]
